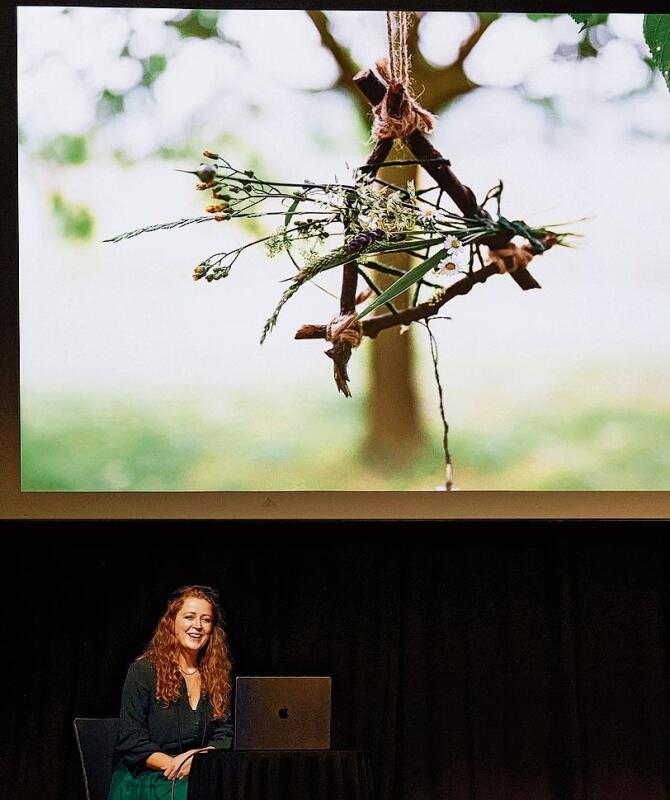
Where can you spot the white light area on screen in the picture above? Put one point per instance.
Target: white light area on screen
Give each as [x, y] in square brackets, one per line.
[557, 78]
[565, 29]
[138, 99]
[40, 31]
[283, 45]
[136, 135]
[618, 70]
[122, 74]
[194, 77]
[651, 110]
[627, 26]
[147, 39]
[53, 100]
[363, 33]
[139, 17]
[104, 28]
[485, 110]
[86, 51]
[508, 51]
[441, 35]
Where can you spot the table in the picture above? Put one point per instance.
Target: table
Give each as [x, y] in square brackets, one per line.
[281, 775]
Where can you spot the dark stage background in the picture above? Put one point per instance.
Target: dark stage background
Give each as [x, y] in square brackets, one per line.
[471, 670]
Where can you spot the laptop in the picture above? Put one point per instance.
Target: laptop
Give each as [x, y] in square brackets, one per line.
[283, 713]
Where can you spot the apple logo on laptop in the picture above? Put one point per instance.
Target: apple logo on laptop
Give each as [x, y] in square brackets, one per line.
[283, 712]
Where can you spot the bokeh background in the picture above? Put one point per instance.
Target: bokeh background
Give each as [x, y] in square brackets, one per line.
[133, 377]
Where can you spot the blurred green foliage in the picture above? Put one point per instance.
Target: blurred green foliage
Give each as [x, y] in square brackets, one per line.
[539, 16]
[152, 68]
[65, 149]
[585, 48]
[657, 36]
[188, 152]
[201, 22]
[316, 444]
[589, 20]
[109, 105]
[74, 221]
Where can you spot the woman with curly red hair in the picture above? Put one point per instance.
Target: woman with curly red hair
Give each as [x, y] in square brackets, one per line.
[176, 700]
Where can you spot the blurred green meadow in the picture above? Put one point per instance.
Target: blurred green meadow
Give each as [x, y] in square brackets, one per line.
[73, 445]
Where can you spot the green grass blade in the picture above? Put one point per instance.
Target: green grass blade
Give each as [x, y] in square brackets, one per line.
[287, 219]
[407, 280]
[291, 211]
[340, 256]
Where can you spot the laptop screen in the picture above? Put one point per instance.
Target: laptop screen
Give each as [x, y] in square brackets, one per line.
[282, 713]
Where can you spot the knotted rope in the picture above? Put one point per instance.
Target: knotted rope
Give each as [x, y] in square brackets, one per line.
[346, 329]
[399, 114]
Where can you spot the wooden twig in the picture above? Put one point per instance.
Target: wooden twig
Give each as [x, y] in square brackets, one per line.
[439, 169]
[340, 352]
[373, 326]
[377, 156]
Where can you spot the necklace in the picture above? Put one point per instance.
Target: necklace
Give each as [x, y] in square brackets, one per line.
[185, 672]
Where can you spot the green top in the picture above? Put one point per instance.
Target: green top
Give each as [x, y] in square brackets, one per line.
[145, 727]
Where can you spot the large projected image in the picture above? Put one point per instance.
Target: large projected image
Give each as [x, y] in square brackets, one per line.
[343, 250]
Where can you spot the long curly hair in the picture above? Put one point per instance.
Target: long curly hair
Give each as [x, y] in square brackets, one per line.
[213, 659]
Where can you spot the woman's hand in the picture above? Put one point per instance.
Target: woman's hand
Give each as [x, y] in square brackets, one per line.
[174, 770]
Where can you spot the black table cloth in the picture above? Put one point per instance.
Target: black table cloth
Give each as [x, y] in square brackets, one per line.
[281, 775]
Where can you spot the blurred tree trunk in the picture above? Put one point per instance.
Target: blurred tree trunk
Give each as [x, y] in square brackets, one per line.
[394, 425]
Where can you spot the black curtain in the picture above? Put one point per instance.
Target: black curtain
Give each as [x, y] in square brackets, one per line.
[471, 668]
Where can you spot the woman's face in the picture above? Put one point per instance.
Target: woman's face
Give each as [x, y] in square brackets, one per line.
[193, 624]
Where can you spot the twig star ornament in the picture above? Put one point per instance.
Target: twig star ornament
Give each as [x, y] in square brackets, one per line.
[368, 218]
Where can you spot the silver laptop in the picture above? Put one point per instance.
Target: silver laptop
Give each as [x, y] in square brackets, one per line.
[282, 713]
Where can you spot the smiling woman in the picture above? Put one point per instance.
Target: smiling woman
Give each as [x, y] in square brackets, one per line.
[176, 700]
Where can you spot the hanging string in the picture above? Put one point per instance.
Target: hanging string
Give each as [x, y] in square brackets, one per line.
[397, 28]
[404, 17]
[391, 38]
[398, 122]
[448, 469]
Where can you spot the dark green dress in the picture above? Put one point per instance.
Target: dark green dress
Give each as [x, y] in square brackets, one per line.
[145, 727]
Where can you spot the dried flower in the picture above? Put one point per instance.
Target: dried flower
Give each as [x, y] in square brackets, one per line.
[206, 173]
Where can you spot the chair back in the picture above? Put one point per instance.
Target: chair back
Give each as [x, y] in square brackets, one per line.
[96, 740]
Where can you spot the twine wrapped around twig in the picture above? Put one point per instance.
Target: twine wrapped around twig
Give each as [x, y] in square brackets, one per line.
[346, 329]
[399, 114]
[512, 257]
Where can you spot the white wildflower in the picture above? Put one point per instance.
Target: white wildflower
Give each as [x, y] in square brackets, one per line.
[451, 243]
[447, 266]
[453, 263]
[428, 215]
